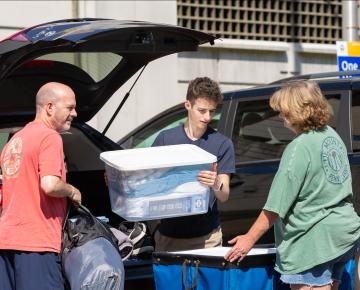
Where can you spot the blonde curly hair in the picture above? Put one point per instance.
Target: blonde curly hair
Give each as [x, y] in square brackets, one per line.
[303, 105]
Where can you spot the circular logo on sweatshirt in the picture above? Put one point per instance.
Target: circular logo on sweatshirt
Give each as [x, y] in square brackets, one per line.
[334, 160]
[12, 157]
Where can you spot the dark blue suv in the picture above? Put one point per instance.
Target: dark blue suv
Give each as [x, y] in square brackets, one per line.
[259, 139]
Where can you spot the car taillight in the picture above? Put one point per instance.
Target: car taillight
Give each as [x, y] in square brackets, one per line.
[39, 63]
[18, 36]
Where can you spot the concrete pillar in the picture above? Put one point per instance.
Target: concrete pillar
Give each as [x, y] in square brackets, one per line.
[293, 60]
[350, 20]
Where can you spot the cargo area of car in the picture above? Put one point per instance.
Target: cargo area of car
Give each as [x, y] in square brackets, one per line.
[82, 147]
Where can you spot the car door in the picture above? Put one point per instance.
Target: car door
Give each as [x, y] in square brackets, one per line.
[354, 154]
[259, 139]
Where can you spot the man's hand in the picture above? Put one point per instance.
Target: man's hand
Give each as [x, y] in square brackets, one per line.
[243, 244]
[75, 195]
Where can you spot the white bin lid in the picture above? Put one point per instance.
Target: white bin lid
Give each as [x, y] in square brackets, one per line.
[157, 157]
[221, 251]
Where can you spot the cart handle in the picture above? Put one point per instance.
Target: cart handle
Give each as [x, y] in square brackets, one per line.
[188, 262]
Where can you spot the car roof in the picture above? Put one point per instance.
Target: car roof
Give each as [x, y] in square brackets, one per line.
[328, 84]
[55, 51]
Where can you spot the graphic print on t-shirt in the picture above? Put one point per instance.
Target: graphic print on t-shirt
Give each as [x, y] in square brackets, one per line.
[12, 157]
[333, 158]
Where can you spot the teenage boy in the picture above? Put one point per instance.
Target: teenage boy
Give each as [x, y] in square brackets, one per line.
[199, 231]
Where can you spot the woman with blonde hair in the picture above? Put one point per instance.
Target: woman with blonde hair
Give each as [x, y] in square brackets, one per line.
[316, 227]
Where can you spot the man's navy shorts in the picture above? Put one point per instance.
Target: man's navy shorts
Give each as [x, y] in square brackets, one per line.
[30, 271]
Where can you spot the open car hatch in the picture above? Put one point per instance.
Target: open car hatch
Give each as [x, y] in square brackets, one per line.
[95, 57]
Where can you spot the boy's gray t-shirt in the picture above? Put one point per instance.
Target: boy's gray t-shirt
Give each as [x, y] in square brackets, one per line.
[311, 194]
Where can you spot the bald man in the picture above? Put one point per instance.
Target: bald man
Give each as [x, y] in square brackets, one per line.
[35, 195]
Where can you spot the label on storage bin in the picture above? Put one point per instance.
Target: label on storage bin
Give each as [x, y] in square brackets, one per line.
[184, 205]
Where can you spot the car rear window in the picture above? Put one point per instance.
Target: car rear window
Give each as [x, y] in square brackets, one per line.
[97, 65]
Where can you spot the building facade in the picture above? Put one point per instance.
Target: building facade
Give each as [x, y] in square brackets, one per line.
[260, 41]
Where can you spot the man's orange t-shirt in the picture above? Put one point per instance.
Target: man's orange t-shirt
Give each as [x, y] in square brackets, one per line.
[31, 220]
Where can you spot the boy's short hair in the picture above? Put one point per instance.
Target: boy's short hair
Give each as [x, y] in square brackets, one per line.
[204, 87]
[302, 104]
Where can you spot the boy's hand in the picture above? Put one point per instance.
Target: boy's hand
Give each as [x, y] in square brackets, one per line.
[208, 178]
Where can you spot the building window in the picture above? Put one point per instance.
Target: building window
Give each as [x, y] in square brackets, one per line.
[308, 21]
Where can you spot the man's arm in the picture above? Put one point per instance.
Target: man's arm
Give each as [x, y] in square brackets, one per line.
[54, 186]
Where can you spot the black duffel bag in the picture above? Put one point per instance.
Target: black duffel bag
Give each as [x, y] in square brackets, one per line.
[90, 255]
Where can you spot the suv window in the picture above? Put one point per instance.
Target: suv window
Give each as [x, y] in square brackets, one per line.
[355, 119]
[334, 101]
[4, 137]
[259, 133]
[146, 136]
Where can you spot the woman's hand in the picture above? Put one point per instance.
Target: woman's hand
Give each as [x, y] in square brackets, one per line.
[243, 244]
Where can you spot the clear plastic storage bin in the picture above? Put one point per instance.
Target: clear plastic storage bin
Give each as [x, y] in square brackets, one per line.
[157, 182]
